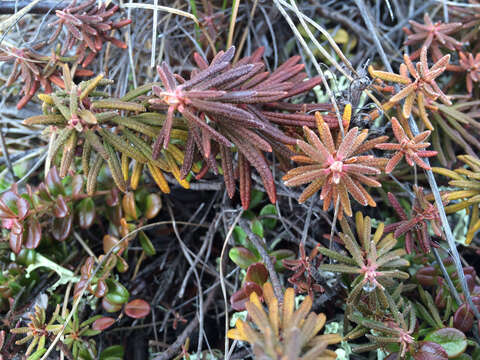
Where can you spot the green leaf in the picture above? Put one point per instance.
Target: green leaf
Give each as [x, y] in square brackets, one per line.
[257, 228]
[117, 105]
[146, 244]
[117, 293]
[256, 198]
[37, 354]
[114, 352]
[269, 209]
[240, 236]
[242, 257]
[153, 205]
[280, 255]
[452, 340]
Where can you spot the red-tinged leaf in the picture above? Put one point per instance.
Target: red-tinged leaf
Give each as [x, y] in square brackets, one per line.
[103, 323]
[109, 242]
[42, 192]
[12, 205]
[16, 242]
[430, 351]
[245, 181]
[109, 306]
[77, 185]
[5, 211]
[137, 309]
[112, 198]
[227, 166]
[53, 182]
[427, 276]
[452, 340]
[61, 209]
[86, 213]
[257, 160]
[240, 297]
[257, 273]
[463, 318]
[62, 227]
[33, 233]
[195, 120]
[16, 226]
[100, 289]
[8, 204]
[22, 207]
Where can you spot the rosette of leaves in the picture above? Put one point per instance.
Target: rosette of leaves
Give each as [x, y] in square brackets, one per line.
[36, 70]
[283, 331]
[305, 268]
[412, 149]
[38, 331]
[77, 335]
[229, 107]
[89, 26]
[470, 19]
[471, 65]
[339, 167]
[415, 227]
[117, 132]
[467, 179]
[393, 333]
[372, 259]
[433, 36]
[420, 85]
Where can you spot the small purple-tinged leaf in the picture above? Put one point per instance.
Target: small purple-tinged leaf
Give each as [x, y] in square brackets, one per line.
[86, 213]
[137, 309]
[33, 233]
[257, 273]
[103, 323]
[62, 227]
[452, 340]
[61, 209]
[430, 351]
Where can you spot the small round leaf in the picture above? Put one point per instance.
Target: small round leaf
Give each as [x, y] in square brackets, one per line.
[430, 351]
[137, 309]
[452, 340]
[103, 323]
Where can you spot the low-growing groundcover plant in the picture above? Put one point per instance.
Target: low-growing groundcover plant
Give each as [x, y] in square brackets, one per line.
[209, 180]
